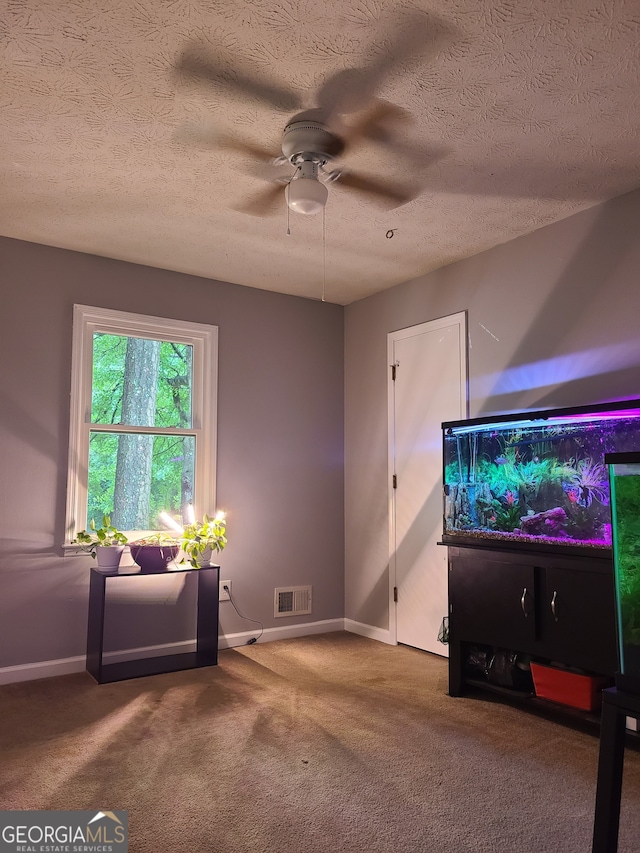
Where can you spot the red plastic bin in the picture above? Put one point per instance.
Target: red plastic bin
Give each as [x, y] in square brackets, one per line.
[568, 688]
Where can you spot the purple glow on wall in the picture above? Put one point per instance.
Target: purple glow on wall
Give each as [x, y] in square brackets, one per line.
[557, 370]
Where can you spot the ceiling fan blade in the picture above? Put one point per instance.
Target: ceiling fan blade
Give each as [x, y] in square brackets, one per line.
[195, 136]
[347, 91]
[381, 190]
[264, 203]
[417, 34]
[381, 125]
[196, 63]
[414, 35]
[232, 143]
[202, 137]
[419, 156]
[374, 123]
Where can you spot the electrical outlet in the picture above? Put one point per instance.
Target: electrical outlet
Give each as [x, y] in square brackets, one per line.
[224, 595]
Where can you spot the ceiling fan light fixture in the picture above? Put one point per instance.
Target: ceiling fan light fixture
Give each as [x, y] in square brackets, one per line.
[306, 195]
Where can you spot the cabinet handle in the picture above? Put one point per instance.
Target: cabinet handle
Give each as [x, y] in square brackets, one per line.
[523, 602]
[553, 604]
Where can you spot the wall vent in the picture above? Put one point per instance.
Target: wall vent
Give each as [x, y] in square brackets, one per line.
[292, 600]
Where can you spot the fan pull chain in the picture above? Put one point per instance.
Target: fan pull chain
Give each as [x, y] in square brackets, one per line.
[324, 251]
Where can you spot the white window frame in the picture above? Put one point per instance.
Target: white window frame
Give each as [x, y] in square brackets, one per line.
[203, 338]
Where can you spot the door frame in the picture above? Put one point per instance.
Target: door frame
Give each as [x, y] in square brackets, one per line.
[459, 318]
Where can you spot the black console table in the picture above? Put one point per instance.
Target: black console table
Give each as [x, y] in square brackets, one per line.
[616, 707]
[206, 653]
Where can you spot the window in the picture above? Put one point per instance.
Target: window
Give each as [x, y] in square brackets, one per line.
[142, 430]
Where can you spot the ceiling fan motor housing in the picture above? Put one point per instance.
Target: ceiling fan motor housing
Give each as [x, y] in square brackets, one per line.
[302, 138]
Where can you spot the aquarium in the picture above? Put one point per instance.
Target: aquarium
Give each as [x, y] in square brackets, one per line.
[536, 479]
[624, 478]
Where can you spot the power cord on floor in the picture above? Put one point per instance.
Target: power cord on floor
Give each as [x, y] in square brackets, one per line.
[253, 639]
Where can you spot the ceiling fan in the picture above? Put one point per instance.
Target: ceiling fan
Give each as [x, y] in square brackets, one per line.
[347, 112]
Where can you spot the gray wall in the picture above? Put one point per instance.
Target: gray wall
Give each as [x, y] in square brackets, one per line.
[554, 320]
[280, 448]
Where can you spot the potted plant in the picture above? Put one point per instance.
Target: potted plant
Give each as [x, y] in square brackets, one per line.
[154, 552]
[201, 538]
[105, 544]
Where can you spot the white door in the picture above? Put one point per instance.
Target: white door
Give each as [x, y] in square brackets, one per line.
[428, 385]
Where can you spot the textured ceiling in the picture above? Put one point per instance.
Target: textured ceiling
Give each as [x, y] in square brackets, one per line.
[523, 112]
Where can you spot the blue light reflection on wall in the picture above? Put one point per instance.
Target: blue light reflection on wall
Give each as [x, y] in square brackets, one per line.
[560, 369]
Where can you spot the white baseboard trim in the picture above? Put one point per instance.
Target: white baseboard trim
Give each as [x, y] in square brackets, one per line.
[306, 629]
[42, 669]
[68, 666]
[380, 634]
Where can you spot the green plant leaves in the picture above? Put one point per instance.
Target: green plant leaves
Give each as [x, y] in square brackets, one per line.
[199, 536]
[106, 535]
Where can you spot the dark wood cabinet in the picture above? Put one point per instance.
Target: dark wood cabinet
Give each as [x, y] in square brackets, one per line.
[578, 618]
[554, 608]
[495, 605]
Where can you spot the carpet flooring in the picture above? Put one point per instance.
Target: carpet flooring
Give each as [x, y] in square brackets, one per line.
[326, 743]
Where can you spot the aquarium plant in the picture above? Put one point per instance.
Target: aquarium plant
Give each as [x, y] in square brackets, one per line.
[625, 505]
[536, 477]
[508, 513]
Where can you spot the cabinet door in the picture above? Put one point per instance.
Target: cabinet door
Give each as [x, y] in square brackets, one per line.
[492, 602]
[578, 619]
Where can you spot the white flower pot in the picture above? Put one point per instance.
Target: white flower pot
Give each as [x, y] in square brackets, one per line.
[205, 558]
[108, 556]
